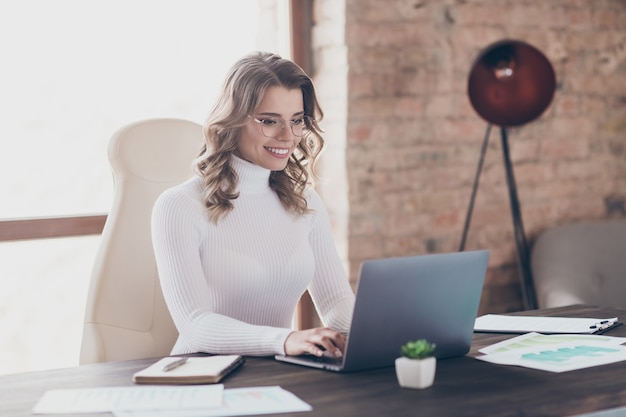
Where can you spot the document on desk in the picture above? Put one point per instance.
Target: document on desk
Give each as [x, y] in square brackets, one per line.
[238, 402]
[496, 323]
[534, 339]
[556, 353]
[110, 399]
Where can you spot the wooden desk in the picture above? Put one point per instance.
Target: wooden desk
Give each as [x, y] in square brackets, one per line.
[463, 386]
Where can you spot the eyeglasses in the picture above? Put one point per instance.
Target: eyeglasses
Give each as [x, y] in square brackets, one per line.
[272, 127]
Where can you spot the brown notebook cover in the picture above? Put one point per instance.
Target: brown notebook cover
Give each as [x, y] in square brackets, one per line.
[196, 370]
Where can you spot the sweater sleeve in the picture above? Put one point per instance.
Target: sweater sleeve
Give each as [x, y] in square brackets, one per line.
[330, 289]
[177, 219]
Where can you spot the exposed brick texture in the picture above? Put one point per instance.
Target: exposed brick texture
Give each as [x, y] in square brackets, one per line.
[404, 140]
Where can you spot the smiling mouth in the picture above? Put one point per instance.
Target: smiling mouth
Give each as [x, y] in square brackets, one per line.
[278, 151]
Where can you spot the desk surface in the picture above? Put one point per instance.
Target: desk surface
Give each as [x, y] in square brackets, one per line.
[463, 386]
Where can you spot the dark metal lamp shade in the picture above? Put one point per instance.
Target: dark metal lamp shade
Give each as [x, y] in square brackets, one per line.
[511, 83]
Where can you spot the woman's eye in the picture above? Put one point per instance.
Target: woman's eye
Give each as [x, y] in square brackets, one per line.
[297, 122]
[268, 122]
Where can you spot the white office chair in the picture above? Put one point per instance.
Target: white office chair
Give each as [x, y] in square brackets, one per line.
[583, 263]
[126, 315]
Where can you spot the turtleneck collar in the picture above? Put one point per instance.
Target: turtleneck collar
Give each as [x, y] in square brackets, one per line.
[252, 178]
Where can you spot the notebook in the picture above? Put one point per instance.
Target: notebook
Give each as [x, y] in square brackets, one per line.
[435, 297]
[193, 370]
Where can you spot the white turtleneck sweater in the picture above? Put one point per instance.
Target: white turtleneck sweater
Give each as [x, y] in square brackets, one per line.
[232, 287]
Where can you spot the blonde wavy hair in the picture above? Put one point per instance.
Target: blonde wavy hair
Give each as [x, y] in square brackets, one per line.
[242, 92]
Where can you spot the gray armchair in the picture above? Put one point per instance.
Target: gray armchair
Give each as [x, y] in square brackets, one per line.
[581, 263]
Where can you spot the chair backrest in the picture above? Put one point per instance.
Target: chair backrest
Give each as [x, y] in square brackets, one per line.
[126, 316]
[581, 263]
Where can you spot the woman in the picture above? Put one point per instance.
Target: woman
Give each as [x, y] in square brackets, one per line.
[238, 244]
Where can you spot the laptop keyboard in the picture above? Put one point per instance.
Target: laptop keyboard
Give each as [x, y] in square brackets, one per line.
[325, 359]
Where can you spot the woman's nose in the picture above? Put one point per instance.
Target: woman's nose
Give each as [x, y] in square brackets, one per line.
[285, 133]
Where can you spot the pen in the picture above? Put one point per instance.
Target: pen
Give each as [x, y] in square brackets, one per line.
[602, 325]
[174, 365]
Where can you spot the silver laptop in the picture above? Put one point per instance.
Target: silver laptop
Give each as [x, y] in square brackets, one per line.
[434, 297]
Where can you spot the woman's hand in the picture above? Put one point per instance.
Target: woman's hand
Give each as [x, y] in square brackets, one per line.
[316, 342]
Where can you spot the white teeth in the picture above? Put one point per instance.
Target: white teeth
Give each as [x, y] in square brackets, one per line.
[278, 151]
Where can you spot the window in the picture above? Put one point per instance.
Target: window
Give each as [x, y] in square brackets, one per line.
[73, 73]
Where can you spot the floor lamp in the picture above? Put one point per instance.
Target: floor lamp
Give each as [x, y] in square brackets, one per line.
[510, 83]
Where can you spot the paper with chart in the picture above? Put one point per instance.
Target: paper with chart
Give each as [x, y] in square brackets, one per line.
[109, 399]
[556, 353]
[238, 402]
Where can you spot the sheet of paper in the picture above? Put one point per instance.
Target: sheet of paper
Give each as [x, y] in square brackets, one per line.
[238, 402]
[525, 324]
[534, 339]
[555, 355]
[109, 399]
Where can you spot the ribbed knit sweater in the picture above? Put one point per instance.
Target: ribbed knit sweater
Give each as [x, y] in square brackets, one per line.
[232, 287]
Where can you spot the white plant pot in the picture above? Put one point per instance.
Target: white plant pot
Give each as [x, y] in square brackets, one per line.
[416, 373]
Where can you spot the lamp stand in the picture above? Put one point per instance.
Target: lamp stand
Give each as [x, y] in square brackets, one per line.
[523, 259]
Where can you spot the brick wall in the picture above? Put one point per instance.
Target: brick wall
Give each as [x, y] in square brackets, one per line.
[404, 140]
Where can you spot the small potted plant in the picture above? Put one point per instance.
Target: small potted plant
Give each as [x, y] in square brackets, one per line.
[417, 365]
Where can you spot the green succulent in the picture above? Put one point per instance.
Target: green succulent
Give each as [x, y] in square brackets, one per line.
[418, 349]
